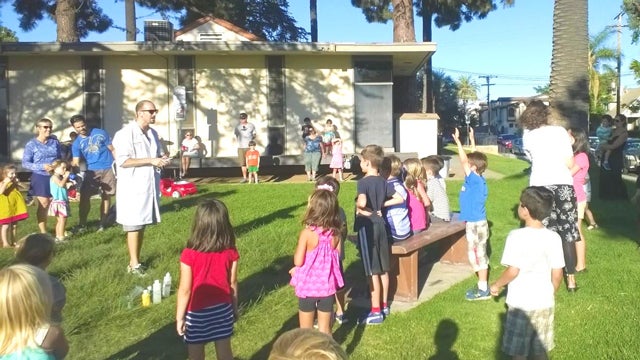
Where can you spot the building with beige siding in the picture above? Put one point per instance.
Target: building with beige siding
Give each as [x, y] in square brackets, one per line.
[222, 71]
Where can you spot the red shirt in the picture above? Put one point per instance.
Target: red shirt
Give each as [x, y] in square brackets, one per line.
[252, 157]
[210, 272]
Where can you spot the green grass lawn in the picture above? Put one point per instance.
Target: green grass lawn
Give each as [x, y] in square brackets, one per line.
[600, 321]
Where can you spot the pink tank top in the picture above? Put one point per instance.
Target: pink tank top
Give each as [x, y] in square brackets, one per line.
[320, 274]
[417, 213]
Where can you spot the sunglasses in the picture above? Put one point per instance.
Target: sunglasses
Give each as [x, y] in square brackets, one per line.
[45, 127]
[150, 111]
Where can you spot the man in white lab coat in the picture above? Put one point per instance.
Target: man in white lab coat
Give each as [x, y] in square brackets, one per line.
[139, 161]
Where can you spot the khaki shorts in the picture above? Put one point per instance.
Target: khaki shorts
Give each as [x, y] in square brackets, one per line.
[242, 156]
[98, 182]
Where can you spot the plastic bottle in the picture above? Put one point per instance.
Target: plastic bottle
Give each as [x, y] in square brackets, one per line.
[166, 286]
[146, 298]
[157, 292]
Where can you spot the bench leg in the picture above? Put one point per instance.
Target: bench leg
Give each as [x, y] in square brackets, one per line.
[404, 285]
[456, 252]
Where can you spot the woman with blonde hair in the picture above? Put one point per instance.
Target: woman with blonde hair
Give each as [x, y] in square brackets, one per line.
[25, 307]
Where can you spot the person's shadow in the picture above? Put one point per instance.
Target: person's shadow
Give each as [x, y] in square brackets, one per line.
[445, 337]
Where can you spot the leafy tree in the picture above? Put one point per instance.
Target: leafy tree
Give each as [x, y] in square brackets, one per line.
[75, 19]
[635, 67]
[632, 8]
[467, 88]
[569, 91]
[599, 54]
[445, 91]
[441, 12]
[542, 90]
[7, 35]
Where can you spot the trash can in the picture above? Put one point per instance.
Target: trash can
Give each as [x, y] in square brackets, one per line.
[444, 172]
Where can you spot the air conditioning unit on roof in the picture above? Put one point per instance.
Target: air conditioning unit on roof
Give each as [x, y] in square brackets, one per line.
[158, 30]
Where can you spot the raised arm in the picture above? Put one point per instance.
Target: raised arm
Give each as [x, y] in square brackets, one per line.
[461, 153]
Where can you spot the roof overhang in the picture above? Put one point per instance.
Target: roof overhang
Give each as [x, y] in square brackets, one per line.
[407, 57]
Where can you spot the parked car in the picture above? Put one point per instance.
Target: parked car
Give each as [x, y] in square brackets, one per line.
[177, 189]
[517, 147]
[505, 142]
[631, 158]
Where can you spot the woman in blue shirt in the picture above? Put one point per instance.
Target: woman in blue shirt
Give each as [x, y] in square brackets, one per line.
[312, 152]
[38, 155]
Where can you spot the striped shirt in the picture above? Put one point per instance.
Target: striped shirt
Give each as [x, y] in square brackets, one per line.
[437, 193]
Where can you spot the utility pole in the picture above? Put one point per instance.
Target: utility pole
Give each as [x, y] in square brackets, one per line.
[488, 85]
[619, 62]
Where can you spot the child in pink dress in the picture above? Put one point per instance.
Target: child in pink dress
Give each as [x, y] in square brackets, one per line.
[336, 159]
[418, 201]
[316, 275]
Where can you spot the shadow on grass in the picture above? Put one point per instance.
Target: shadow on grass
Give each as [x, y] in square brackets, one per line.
[498, 353]
[445, 337]
[165, 344]
[155, 346]
[286, 213]
[263, 353]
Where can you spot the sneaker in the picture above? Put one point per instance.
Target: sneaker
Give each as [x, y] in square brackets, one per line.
[136, 270]
[386, 311]
[61, 240]
[477, 294]
[591, 227]
[341, 319]
[79, 230]
[372, 319]
[606, 166]
[100, 229]
[244, 181]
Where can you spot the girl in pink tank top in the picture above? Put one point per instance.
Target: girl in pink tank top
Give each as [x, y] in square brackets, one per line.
[418, 200]
[316, 275]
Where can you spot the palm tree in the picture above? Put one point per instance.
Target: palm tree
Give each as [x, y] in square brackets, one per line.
[467, 90]
[569, 89]
[598, 53]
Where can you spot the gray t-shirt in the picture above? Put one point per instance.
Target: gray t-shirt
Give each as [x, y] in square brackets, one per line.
[245, 133]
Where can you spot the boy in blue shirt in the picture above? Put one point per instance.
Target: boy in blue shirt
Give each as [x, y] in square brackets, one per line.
[473, 197]
[396, 216]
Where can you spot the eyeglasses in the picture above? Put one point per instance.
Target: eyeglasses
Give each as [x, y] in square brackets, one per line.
[45, 127]
[150, 111]
[188, 135]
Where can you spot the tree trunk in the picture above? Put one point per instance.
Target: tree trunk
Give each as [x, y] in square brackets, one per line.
[569, 90]
[130, 15]
[66, 21]
[313, 10]
[403, 27]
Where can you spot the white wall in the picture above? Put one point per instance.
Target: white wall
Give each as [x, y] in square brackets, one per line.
[321, 88]
[42, 86]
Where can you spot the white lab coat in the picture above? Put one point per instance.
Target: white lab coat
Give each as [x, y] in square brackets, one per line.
[138, 188]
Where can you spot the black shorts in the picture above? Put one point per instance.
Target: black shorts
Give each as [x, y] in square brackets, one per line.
[310, 304]
[374, 246]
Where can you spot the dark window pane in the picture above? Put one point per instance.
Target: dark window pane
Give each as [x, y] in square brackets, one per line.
[373, 70]
[92, 103]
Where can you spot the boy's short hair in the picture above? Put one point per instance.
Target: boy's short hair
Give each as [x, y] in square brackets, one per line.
[391, 166]
[252, 143]
[538, 200]
[479, 160]
[374, 154]
[434, 163]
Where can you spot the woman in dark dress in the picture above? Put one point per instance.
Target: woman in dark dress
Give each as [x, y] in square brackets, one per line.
[611, 185]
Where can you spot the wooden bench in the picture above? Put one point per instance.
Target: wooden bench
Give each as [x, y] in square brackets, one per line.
[448, 242]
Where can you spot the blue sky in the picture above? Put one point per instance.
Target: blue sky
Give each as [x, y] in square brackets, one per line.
[512, 43]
